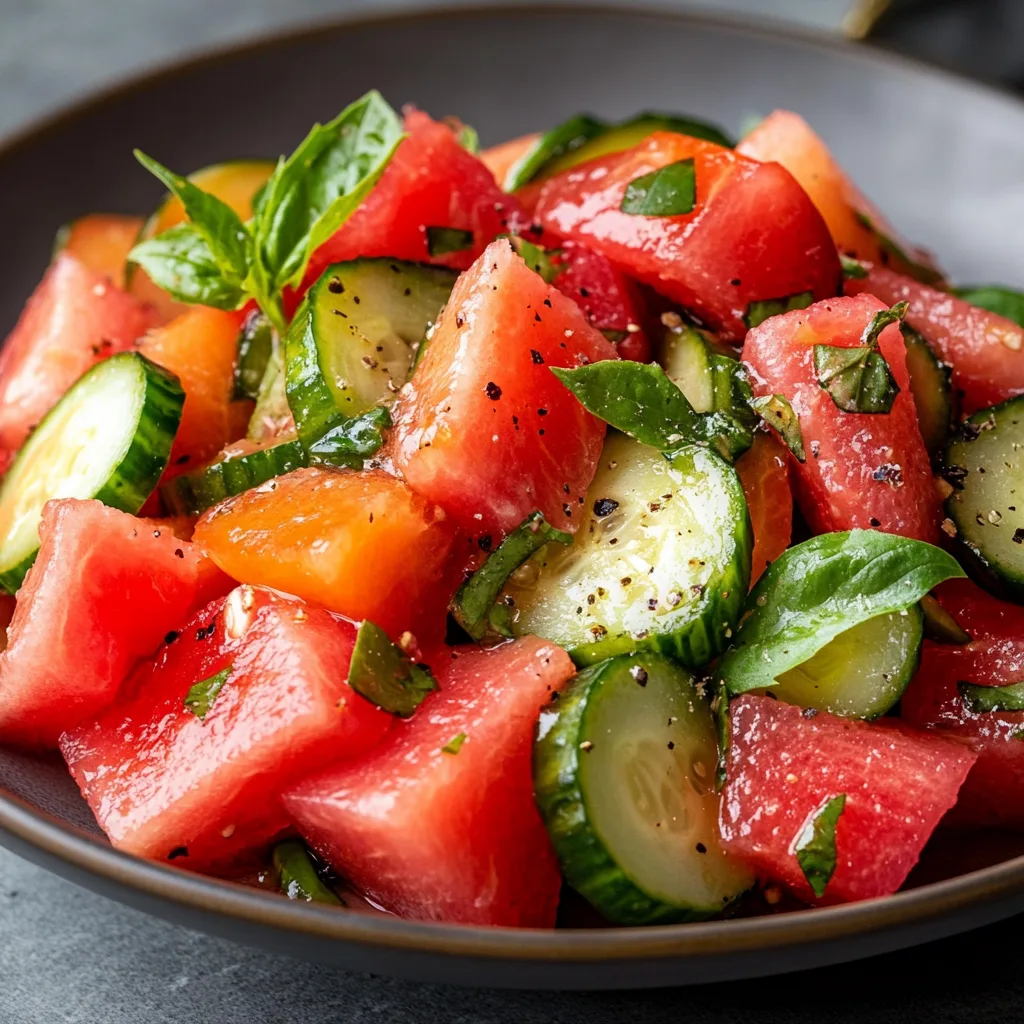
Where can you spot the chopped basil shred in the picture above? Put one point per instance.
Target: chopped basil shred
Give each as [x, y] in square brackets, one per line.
[776, 411]
[859, 379]
[454, 745]
[474, 603]
[217, 260]
[853, 269]
[543, 261]
[670, 191]
[982, 699]
[815, 844]
[385, 675]
[763, 309]
[298, 875]
[201, 697]
[442, 241]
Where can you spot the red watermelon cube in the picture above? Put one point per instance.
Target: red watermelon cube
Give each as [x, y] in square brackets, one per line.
[786, 763]
[439, 823]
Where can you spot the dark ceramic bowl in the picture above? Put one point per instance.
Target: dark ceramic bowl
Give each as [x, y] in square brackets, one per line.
[941, 154]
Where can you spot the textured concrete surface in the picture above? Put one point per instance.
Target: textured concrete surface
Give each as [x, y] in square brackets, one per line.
[67, 955]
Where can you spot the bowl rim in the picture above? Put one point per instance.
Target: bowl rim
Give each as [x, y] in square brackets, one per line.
[54, 839]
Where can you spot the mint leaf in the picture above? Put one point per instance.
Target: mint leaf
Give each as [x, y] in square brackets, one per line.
[552, 145]
[475, 599]
[815, 844]
[200, 698]
[181, 262]
[983, 699]
[229, 242]
[1002, 301]
[859, 379]
[385, 675]
[821, 588]
[442, 241]
[315, 190]
[669, 191]
[763, 309]
[776, 411]
[353, 440]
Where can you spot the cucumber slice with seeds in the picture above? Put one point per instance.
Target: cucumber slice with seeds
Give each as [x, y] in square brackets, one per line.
[354, 339]
[108, 438]
[624, 776]
[863, 672]
[985, 461]
[662, 564]
[241, 467]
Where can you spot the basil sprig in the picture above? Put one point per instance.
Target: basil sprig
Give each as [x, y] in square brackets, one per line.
[216, 260]
[982, 699]
[670, 191]
[821, 588]
[1002, 301]
[815, 844]
[474, 605]
[859, 378]
[776, 411]
[385, 675]
[641, 400]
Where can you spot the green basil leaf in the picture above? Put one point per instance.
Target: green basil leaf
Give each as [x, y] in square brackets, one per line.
[939, 625]
[762, 309]
[670, 191]
[561, 139]
[821, 588]
[469, 138]
[776, 411]
[180, 261]
[385, 675]
[882, 319]
[228, 238]
[454, 745]
[315, 190]
[298, 875]
[1002, 301]
[815, 845]
[441, 241]
[543, 261]
[852, 269]
[200, 698]
[982, 699]
[475, 599]
[352, 440]
[922, 272]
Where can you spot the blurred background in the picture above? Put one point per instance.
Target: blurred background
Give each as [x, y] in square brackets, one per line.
[53, 51]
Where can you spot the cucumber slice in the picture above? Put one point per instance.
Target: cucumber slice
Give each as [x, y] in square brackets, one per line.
[241, 467]
[271, 416]
[624, 776]
[108, 438]
[354, 339]
[863, 672]
[933, 393]
[663, 563]
[985, 461]
[686, 359]
[257, 343]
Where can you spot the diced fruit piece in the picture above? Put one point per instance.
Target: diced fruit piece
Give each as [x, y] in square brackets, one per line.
[863, 470]
[993, 795]
[457, 777]
[624, 770]
[104, 590]
[75, 318]
[484, 428]
[786, 764]
[978, 612]
[200, 346]
[609, 300]
[357, 542]
[662, 562]
[108, 438]
[355, 338]
[7, 604]
[431, 182]
[498, 159]
[984, 350]
[235, 183]
[246, 696]
[101, 242]
[764, 474]
[751, 235]
[857, 227]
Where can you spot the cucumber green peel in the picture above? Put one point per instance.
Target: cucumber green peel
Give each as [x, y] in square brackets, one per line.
[821, 588]
[982, 699]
